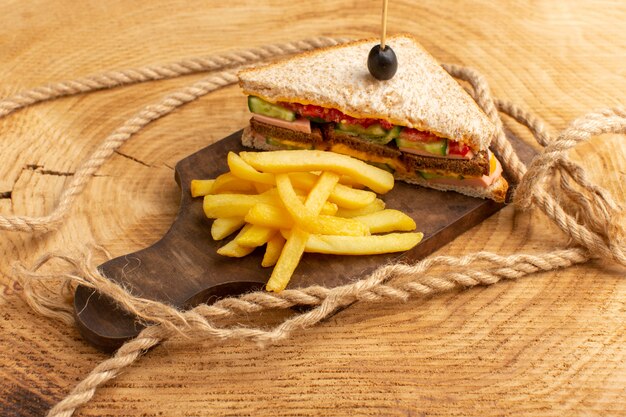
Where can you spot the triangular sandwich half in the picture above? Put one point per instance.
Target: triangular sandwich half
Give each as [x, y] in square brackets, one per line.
[421, 124]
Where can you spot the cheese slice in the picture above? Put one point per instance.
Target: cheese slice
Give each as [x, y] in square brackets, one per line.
[364, 156]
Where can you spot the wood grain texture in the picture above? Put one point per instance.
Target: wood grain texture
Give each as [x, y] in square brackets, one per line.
[551, 344]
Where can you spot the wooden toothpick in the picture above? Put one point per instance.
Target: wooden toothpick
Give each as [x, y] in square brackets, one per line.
[384, 32]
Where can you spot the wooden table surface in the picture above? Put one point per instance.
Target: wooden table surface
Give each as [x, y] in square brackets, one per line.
[547, 345]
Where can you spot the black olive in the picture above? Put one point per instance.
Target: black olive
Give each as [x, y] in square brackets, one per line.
[382, 63]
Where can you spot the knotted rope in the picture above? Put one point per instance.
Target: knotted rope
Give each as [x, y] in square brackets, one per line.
[553, 183]
[111, 79]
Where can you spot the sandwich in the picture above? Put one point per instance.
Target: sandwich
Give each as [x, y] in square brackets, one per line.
[421, 125]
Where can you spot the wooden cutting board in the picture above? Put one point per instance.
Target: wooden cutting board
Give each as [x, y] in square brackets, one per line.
[183, 268]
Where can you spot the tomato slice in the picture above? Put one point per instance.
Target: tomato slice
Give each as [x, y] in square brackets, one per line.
[385, 124]
[457, 148]
[415, 135]
[333, 115]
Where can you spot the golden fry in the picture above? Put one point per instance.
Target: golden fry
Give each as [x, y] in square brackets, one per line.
[294, 247]
[331, 225]
[363, 245]
[201, 188]
[342, 195]
[376, 205]
[385, 221]
[305, 217]
[228, 183]
[234, 205]
[276, 162]
[288, 260]
[255, 236]
[234, 250]
[316, 199]
[269, 216]
[292, 203]
[225, 226]
[241, 169]
[349, 182]
[238, 205]
[303, 180]
[278, 218]
[350, 198]
[329, 209]
[321, 191]
[273, 250]
[262, 188]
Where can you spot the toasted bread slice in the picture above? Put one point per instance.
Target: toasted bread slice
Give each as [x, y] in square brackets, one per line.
[497, 191]
[421, 95]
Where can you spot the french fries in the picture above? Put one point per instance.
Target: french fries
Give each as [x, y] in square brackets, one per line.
[273, 250]
[201, 188]
[385, 221]
[288, 260]
[296, 242]
[228, 183]
[278, 218]
[362, 245]
[305, 215]
[351, 198]
[233, 249]
[298, 211]
[225, 226]
[255, 236]
[269, 216]
[276, 162]
[241, 169]
[302, 201]
[234, 205]
[373, 207]
[342, 195]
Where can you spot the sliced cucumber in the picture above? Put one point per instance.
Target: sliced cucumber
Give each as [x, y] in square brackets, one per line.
[259, 106]
[374, 133]
[439, 147]
[393, 133]
[373, 130]
[429, 175]
[379, 140]
[382, 165]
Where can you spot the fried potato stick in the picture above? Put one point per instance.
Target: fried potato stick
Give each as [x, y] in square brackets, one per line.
[225, 226]
[362, 245]
[277, 162]
[200, 188]
[233, 249]
[387, 221]
[273, 250]
[294, 247]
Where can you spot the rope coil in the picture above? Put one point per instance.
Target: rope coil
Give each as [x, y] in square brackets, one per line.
[585, 212]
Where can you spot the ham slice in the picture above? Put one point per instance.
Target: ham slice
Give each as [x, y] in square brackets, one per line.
[299, 125]
[421, 152]
[478, 182]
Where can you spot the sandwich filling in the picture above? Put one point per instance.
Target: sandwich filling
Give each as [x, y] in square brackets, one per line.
[398, 149]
